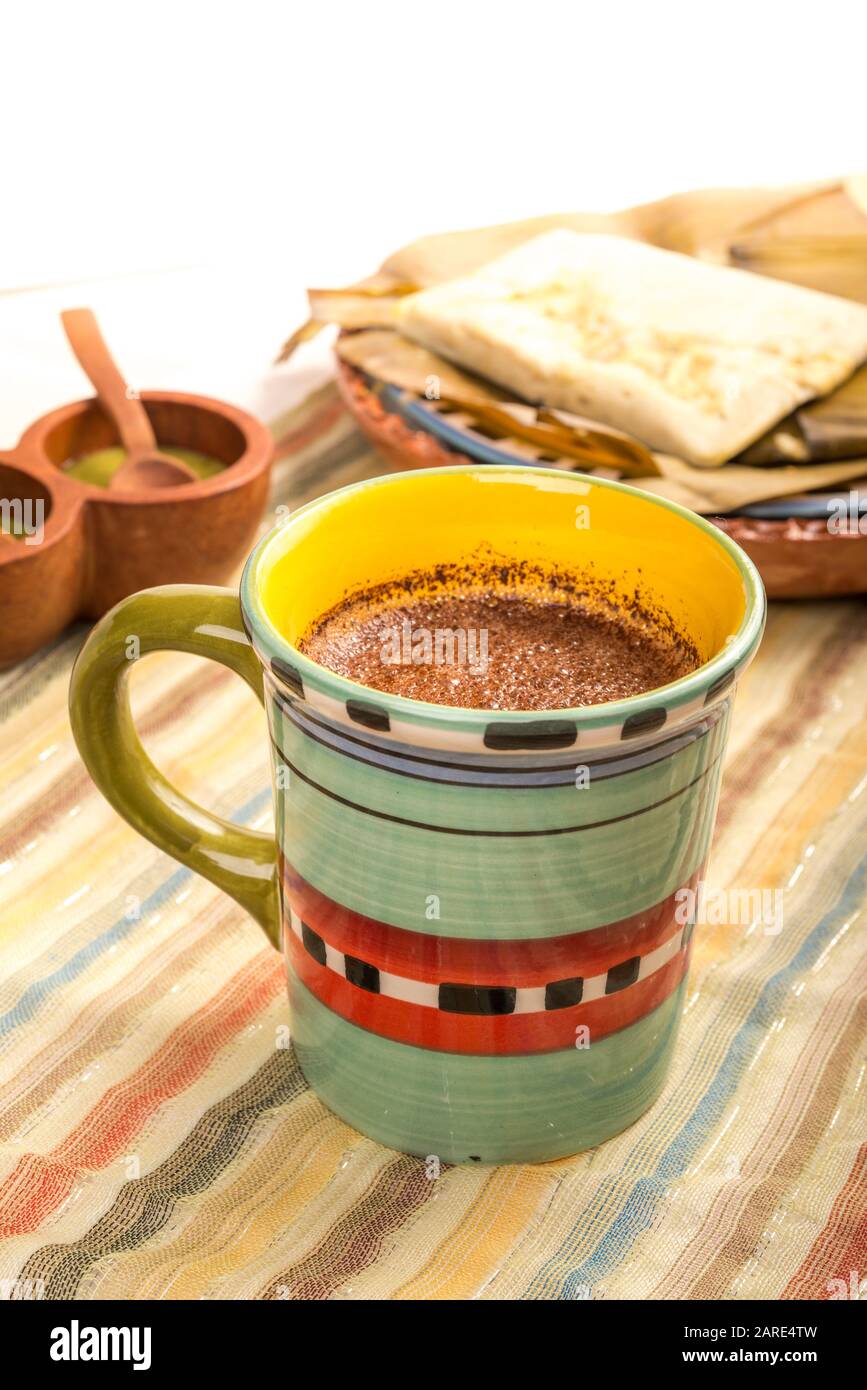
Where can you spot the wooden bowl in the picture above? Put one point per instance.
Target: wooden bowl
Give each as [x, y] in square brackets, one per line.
[97, 545]
[796, 558]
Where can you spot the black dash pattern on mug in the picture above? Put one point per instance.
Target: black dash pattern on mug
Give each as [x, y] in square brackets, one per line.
[647, 722]
[487, 1000]
[288, 675]
[369, 715]
[513, 735]
[719, 686]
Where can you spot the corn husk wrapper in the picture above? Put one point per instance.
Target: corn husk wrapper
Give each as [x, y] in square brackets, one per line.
[834, 427]
[387, 356]
[719, 490]
[813, 235]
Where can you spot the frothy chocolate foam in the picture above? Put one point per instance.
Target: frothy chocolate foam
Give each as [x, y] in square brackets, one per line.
[500, 637]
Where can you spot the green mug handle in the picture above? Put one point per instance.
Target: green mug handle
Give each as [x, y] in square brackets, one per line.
[182, 618]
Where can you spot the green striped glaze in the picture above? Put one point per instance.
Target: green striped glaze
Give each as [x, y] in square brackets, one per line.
[378, 789]
[501, 887]
[494, 1109]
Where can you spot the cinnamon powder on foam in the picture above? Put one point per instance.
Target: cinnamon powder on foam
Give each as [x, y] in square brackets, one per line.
[551, 640]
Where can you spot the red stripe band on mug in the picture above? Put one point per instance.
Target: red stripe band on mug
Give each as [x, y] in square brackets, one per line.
[517, 1032]
[535, 1009]
[528, 960]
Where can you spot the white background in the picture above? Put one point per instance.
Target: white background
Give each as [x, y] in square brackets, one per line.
[277, 146]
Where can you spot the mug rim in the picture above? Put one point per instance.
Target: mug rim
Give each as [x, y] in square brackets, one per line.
[679, 697]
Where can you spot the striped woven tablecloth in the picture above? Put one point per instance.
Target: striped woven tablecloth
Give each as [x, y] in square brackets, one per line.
[157, 1139]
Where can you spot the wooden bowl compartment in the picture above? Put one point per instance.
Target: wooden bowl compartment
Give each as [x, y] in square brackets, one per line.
[98, 545]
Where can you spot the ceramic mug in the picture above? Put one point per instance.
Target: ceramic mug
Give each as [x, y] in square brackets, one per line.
[481, 911]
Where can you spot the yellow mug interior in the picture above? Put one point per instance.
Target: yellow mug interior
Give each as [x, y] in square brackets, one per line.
[379, 531]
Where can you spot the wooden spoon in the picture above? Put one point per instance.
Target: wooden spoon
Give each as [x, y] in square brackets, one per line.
[144, 465]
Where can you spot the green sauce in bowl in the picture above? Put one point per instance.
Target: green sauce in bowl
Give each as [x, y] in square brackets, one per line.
[100, 467]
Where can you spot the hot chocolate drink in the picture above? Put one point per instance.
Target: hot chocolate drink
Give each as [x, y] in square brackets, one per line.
[442, 639]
